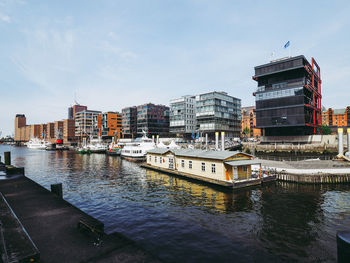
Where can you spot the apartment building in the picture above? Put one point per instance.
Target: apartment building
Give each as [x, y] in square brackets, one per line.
[218, 112]
[72, 111]
[129, 122]
[108, 125]
[183, 116]
[84, 121]
[154, 119]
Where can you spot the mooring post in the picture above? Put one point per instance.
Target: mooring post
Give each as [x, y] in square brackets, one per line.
[7, 158]
[348, 136]
[222, 141]
[343, 246]
[340, 142]
[57, 189]
[206, 141]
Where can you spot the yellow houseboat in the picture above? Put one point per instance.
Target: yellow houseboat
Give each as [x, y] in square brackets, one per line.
[226, 168]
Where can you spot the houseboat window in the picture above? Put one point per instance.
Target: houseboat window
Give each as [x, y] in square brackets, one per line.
[160, 159]
[155, 158]
[190, 164]
[203, 167]
[183, 163]
[244, 168]
[150, 158]
[213, 168]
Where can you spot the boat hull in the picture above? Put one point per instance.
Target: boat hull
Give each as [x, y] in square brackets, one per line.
[135, 159]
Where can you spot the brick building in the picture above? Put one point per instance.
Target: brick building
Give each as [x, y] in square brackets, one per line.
[109, 124]
[336, 117]
[249, 121]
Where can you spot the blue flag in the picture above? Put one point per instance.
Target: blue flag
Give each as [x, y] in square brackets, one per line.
[287, 44]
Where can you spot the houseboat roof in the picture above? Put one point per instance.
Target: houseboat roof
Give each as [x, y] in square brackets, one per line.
[219, 155]
[243, 162]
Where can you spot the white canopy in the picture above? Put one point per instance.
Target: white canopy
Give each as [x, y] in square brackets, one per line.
[173, 145]
[161, 145]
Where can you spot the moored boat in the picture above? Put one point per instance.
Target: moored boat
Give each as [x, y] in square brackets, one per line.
[96, 146]
[38, 144]
[136, 151]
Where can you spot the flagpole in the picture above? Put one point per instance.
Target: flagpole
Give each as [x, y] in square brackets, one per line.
[290, 51]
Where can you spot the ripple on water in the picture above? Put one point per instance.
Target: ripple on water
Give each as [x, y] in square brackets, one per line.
[185, 221]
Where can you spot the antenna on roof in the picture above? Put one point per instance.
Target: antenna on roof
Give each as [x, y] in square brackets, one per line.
[75, 98]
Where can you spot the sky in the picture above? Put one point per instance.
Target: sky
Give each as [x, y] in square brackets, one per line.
[113, 54]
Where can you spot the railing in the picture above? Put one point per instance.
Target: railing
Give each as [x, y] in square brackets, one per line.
[295, 158]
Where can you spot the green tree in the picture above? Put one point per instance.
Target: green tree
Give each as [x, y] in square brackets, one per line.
[246, 131]
[326, 130]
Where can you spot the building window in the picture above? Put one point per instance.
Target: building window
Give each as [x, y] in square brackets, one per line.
[155, 159]
[190, 164]
[213, 168]
[160, 159]
[203, 167]
[150, 158]
[183, 163]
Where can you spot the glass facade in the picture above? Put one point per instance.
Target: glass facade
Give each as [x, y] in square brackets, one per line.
[216, 112]
[285, 99]
[183, 115]
[154, 119]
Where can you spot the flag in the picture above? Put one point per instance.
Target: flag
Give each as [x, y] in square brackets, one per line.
[287, 44]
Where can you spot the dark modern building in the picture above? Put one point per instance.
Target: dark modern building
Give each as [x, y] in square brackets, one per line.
[288, 98]
[129, 122]
[154, 119]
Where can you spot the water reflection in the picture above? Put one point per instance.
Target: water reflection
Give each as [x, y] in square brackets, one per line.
[180, 219]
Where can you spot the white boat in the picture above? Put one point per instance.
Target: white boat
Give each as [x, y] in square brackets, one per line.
[36, 143]
[136, 151]
[96, 146]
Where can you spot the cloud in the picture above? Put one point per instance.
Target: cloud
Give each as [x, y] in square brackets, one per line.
[5, 18]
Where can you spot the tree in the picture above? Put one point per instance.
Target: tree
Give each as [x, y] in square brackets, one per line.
[246, 131]
[326, 130]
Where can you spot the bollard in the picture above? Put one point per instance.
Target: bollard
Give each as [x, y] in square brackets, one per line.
[222, 141]
[206, 141]
[57, 189]
[7, 158]
[340, 142]
[343, 246]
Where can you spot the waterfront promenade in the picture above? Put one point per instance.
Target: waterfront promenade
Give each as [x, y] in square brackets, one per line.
[310, 171]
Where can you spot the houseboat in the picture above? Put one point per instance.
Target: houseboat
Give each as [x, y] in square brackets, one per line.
[225, 168]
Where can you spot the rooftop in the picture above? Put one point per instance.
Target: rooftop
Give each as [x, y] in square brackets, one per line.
[219, 155]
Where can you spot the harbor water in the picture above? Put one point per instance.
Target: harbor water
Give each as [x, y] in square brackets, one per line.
[183, 221]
